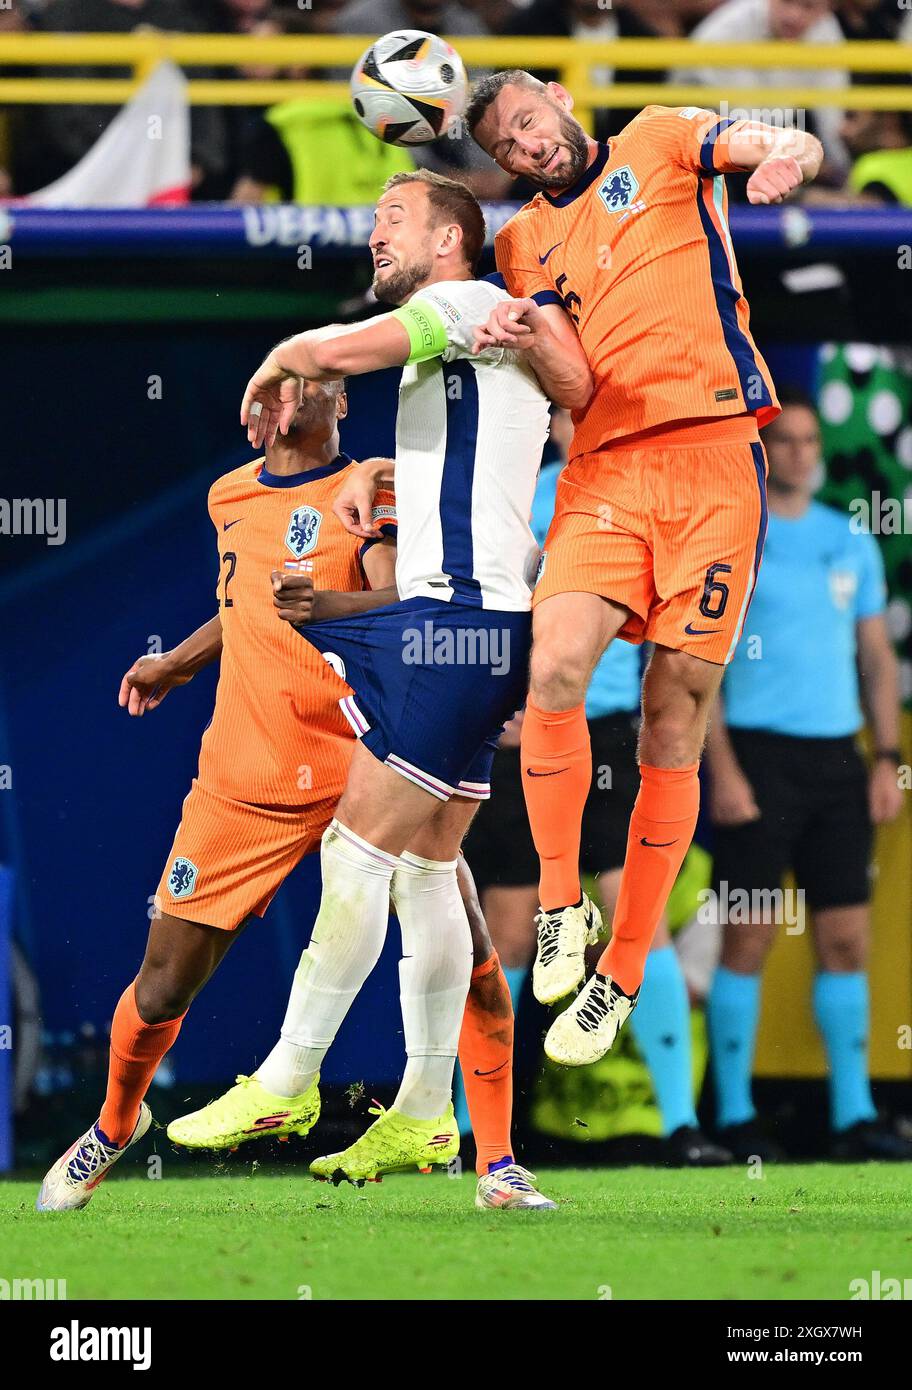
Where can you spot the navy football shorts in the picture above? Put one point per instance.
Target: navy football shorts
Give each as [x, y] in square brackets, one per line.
[434, 683]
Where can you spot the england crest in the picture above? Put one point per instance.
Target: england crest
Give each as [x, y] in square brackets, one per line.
[303, 531]
[619, 188]
[182, 878]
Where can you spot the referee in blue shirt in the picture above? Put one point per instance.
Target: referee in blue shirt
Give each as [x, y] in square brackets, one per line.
[789, 788]
[505, 865]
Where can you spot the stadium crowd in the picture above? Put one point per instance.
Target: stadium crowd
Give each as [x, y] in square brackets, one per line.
[253, 155]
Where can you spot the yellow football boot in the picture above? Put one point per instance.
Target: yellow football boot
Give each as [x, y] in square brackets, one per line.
[394, 1142]
[247, 1112]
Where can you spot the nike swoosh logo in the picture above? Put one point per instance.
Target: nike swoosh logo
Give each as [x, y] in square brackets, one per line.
[491, 1072]
[542, 259]
[699, 631]
[656, 844]
[227, 525]
[530, 773]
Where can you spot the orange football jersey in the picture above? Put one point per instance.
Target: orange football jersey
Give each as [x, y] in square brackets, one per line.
[278, 737]
[638, 252]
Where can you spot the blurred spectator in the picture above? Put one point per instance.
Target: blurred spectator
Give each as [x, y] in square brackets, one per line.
[789, 789]
[588, 21]
[494, 14]
[795, 21]
[322, 18]
[254, 17]
[374, 17]
[12, 119]
[880, 143]
[868, 19]
[61, 135]
[316, 152]
[673, 18]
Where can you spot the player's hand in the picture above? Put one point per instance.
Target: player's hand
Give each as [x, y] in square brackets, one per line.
[885, 798]
[774, 179]
[294, 596]
[270, 403]
[148, 681]
[514, 323]
[732, 801]
[512, 733]
[354, 504]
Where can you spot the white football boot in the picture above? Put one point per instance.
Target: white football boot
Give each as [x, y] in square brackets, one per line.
[513, 1189]
[586, 1030]
[560, 962]
[72, 1181]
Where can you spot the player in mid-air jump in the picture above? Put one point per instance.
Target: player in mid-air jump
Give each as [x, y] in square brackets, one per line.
[661, 512]
[272, 767]
[436, 675]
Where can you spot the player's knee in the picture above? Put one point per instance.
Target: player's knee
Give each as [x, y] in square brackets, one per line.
[744, 952]
[843, 953]
[558, 677]
[674, 723]
[161, 997]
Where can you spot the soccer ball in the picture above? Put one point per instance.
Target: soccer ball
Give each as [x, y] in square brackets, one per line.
[409, 87]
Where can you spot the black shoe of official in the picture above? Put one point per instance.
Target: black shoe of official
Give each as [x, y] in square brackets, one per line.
[688, 1147]
[871, 1140]
[747, 1141]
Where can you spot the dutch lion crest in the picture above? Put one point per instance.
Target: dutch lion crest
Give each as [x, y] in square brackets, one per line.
[303, 530]
[182, 878]
[619, 188]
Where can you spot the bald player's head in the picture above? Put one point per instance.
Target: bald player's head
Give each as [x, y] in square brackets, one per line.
[526, 127]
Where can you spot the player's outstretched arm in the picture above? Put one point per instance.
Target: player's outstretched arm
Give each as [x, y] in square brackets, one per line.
[781, 160]
[150, 678]
[323, 354]
[545, 334]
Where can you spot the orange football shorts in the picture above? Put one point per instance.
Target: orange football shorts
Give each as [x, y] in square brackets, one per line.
[229, 859]
[670, 525]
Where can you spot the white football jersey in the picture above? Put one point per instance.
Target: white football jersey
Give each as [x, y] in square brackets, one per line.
[469, 439]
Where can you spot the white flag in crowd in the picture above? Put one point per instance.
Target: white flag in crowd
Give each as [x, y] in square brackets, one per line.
[141, 160]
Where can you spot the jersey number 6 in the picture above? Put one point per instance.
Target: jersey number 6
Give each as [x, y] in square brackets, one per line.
[715, 593]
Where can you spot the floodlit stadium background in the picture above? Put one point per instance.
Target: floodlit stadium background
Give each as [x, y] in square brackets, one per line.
[129, 332]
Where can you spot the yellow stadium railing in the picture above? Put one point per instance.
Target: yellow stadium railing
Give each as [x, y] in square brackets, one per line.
[573, 61]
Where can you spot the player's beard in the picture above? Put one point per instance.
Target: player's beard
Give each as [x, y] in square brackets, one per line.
[396, 288]
[577, 155]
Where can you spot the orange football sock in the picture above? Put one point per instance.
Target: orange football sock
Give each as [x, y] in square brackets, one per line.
[661, 828]
[556, 773]
[136, 1050]
[486, 1059]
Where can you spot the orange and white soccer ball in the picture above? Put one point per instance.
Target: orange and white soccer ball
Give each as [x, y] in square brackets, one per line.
[409, 88]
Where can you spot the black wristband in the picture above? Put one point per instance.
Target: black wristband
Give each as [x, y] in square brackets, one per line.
[893, 755]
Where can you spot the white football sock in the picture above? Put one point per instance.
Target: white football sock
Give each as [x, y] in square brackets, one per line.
[345, 946]
[434, 978]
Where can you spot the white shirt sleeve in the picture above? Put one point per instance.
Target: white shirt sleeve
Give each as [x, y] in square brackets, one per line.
[462, 306]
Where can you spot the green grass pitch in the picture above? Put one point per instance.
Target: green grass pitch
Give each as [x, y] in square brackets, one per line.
[797, 1232]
